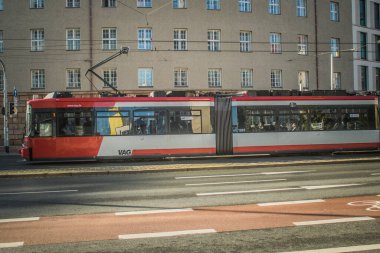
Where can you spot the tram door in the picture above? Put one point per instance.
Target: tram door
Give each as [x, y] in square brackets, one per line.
[223, 125]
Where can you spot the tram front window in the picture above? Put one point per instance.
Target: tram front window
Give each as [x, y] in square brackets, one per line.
[42, 124]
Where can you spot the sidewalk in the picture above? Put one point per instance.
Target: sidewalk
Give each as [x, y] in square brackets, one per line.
[11, 165]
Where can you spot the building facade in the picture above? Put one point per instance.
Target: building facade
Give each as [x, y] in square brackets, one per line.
[175, 45]
[366, 38]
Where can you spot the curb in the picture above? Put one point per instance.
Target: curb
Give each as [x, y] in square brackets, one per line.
[174, 168]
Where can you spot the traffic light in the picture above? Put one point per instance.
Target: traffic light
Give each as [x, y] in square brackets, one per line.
[12, 108]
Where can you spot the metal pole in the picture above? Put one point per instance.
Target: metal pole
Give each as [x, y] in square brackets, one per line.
[6, 111]
[332, 71]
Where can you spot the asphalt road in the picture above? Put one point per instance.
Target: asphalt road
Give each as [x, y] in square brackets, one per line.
[86, 195]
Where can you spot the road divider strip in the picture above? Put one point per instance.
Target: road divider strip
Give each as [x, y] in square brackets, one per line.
[341, 249]
[246, 174]
[154, 212]
[11, 245]
[35, 192]
[166, 234]
[291, 202]
[237, 182]
[19, 219]
[332, 221]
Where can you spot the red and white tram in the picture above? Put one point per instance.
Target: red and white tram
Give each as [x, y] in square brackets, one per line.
[122, 127]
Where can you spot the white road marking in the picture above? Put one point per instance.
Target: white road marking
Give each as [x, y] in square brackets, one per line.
[11, 245]
[19, 219]
[242, 192]
[374, 205]
[238, 182]
[291, 202]
[317, 187]
[36, 192]
[154, 211]
[166, 234]
[331, 221]
[248, 174]
[341, 249]
[375, 174]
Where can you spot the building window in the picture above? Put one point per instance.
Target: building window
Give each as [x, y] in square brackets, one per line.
[213, 37]
[274, 7]
[377, 79]
[180, 39]
[37, 40]
[1, 79]
[276, 78]
[213, 4]
[301, 8]
[38, 78]
[145, 38]
[363, 12]
[180, 77]
[72, 3]
[334, 11]
[335, 47]
[1, 5]
[245, 5]
[110, 76]
[364, 77]
[73, 39]
[36, 4]
[145, 77]
[73, 78]
[302, 44]
[275, 43]
[1, 42]
[377, 48]
[337, 80]
[109, 40]
[246, 78]
[144, 3]
[109, 3]
[363, 46]
[179, 4]
[303, 80]
[214, 78]
[245, 41]
[377, 15]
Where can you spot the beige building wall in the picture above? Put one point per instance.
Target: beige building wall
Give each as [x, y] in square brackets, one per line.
[17, 19]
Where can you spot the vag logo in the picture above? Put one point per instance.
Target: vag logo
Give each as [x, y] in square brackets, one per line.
[125, 152]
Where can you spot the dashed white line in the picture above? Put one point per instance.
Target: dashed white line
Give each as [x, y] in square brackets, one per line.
[247, 174]
[341, 249]
[291, 202]
[375, 174]
[237, 182]
[19, 219]
[35, 192]
[243, 192]
[331, 221]
[11, 245]
[317, 187]
[166, 234]
[154, 211]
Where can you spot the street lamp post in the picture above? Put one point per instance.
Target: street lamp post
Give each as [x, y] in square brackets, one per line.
[6, 110]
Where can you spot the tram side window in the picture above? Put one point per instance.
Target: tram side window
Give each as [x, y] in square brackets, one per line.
[256, 120]
[42, 124]
[75, 123]
[358, 118]
[149, 122]
[292, 120]
[112, 122]
[185, 122]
